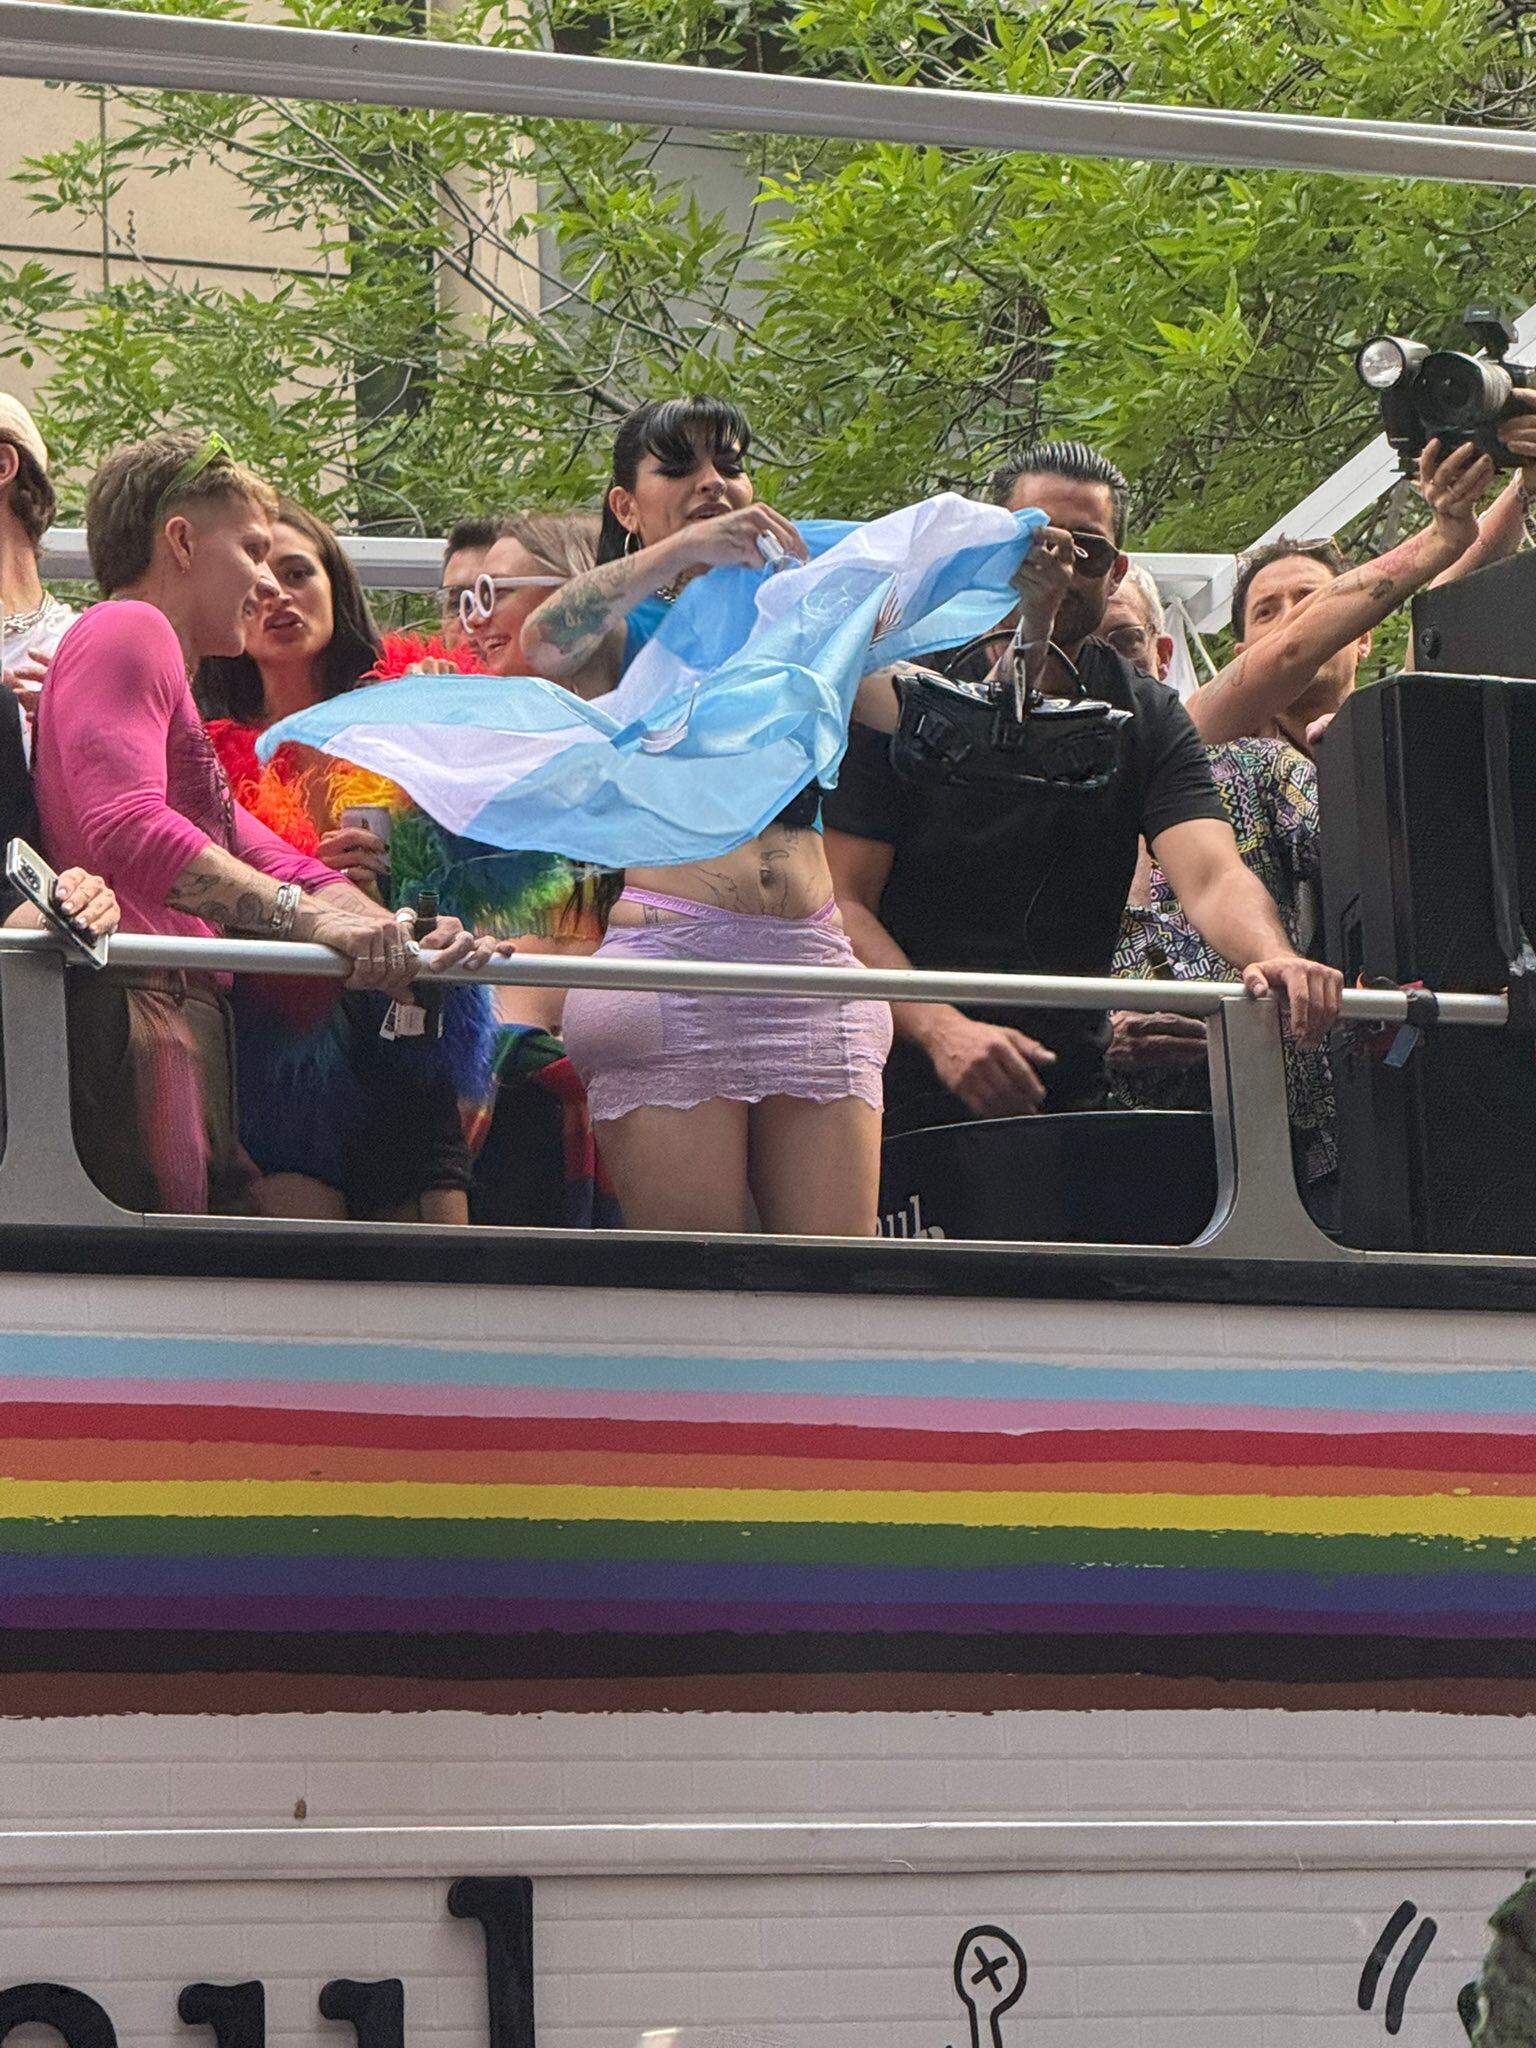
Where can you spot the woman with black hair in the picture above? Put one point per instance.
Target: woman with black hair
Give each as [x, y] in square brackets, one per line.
[709, 1105]
[343, 1114]
[315, 640]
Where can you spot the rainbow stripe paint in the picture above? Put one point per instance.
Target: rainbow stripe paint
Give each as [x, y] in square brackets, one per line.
[470, 1518]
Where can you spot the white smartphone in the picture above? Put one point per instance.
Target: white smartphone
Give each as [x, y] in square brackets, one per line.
[372, 818]
[30, 873]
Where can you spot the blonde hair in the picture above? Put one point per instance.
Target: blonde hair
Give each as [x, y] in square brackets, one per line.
[1140, 579]
[137, 488]
[566, 541]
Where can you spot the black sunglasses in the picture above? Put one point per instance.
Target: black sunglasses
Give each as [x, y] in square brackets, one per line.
[1096, 556]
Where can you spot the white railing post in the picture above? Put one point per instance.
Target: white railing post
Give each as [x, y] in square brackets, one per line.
[1259, 1211]
[41, 1178]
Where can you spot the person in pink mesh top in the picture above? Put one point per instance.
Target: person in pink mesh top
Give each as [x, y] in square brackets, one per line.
[127, 785]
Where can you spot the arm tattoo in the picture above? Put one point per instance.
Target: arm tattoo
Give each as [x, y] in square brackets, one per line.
[222, 890]
[574, 618]
[247, 914]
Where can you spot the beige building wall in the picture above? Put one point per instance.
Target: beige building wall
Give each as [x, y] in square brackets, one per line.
[189, 225]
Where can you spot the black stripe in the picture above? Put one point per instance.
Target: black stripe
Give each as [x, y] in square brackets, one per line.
[1279, 1660]
[582, 1259]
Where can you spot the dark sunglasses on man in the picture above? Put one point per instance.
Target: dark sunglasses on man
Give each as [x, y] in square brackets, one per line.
[1095, 555]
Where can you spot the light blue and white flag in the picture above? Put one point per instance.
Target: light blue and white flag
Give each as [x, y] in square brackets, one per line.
[739, 700]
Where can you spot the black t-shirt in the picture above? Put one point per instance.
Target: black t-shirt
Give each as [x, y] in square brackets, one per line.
[18, 813]
[1027, 881]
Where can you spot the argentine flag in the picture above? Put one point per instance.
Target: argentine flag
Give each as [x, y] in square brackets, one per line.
[739, 700]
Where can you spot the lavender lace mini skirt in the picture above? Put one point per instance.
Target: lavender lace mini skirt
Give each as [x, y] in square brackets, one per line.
[635, 1050]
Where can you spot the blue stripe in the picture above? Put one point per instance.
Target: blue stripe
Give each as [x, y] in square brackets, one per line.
[1356, 1389]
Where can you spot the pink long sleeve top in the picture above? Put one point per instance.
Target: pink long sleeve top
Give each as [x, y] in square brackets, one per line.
[126, 780]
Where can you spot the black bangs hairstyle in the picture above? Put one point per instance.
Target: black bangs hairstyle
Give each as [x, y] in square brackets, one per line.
[229, 685]
[679, 433]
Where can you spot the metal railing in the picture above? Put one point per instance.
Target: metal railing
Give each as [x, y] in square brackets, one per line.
[1201, 583]
[99, 46]
[1259, 1213]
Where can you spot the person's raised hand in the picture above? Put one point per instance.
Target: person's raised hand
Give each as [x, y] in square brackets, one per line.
[1310, 992]
[434, 665]
[1043, 579]
[357, 853]
[995, 1070]
[1142, 1041]
[1451, 485]
[734, 537]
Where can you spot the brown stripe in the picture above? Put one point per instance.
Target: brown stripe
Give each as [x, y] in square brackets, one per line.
[48, 1694]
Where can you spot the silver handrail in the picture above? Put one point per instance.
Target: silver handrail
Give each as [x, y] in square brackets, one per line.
[102, 46]
[131, 950]
[1259, 1214]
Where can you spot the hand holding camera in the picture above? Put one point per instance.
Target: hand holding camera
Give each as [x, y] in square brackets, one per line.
[1452, 484]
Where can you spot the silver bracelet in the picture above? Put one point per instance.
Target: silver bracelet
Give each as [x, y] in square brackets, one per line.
[286, 909]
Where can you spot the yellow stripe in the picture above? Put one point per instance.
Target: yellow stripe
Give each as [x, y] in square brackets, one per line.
[1436, 1514]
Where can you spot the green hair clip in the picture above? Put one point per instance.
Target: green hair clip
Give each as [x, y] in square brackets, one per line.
[202, 457]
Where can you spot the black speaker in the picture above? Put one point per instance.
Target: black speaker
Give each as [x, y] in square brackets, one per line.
[1128, 1176]
[1427, 794]
[1480, 625]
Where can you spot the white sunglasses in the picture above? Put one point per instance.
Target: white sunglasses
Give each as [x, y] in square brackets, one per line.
[479, 599]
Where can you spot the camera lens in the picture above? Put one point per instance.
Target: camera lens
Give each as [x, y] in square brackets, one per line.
[1460, 392]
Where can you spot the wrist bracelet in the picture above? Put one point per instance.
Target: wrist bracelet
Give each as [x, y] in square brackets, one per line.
[286, 909]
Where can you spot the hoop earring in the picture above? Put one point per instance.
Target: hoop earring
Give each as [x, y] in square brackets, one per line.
[632, 541]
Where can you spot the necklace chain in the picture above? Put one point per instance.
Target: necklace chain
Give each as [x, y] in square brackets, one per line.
[22, 622]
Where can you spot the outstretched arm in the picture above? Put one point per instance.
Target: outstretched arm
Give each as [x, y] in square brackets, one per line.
[1267, 677]
[568, 629]
[223, 890]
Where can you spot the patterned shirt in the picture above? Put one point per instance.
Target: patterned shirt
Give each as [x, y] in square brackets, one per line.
[1269, 791]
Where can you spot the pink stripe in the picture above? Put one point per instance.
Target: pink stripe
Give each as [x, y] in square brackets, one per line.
[862, 1411]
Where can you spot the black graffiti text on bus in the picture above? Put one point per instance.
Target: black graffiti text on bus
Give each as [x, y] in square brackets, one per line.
[236, 2014]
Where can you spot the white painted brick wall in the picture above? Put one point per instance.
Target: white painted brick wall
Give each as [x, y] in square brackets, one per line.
[446, 1769]
[1132, 1957]
[787, 1962]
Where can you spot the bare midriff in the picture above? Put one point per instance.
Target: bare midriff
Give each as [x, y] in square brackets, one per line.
[781, 873]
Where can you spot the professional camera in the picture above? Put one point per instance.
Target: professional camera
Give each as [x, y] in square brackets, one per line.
[1001, 734]
[1439, 394]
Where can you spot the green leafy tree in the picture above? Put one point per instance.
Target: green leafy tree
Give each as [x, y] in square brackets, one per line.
[483, 298]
